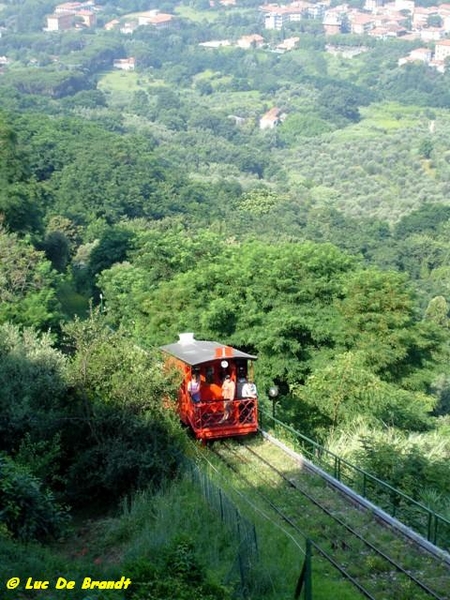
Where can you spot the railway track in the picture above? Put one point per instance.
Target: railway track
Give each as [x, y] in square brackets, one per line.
[380, 563]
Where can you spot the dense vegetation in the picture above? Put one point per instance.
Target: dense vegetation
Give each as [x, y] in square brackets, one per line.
[138, 205]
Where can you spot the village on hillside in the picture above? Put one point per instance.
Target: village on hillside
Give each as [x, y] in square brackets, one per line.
[400, 19]
[378, 19]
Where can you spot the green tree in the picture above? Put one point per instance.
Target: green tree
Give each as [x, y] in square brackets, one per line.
[27, 284]
[258, 201]
[33, 386]
[277, 300]
[61, 240]
[336, 101]
[429, 218]
[127, 181]
[129, 439]
[298, 126]
[161, 252]
[438, 311]
[140, 103]
[434, 21]
[86, 99]
[21, 201]
[305, 310]
[29, 511]
[426, 148]
[113, 247]
[381, 322]
[347, 388]
[11, 165]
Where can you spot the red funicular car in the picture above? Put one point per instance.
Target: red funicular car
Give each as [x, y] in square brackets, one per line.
[203, 404]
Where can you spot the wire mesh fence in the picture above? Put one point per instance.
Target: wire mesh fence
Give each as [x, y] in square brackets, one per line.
[241, 529]
[251, 571]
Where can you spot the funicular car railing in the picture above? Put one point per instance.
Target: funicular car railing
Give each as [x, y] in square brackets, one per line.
[212, 413]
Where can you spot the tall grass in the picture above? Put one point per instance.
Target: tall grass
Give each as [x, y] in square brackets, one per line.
[147, 526]
[357, 442]
[151, 523]
[347, 443]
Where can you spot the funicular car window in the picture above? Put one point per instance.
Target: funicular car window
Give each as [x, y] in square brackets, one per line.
[209, 375]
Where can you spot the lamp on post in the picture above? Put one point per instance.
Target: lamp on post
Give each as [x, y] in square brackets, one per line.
[273, 393]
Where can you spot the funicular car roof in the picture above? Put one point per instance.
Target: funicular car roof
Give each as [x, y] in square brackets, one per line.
[195, 352]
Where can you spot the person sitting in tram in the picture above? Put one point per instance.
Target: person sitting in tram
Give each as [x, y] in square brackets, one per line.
[249, 390]
[228, 393]
[249, 395]
[194, 387]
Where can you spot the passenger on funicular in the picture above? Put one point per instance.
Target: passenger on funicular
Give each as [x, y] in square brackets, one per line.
[194, 387]
[228, 394]
[249, 390]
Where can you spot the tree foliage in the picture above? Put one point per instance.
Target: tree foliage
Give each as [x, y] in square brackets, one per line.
[52, 83]
[119, 389]
[90, 428]
[311, 313]
[29, 511]
[32, 386]
[347, 388]
[27, 284]
[379, 313]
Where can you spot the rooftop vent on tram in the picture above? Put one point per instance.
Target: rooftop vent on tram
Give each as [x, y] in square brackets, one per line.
[186, 338]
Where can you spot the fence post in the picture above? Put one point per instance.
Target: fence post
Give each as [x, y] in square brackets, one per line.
[221, 505]
[436, 523]
[255, 540]
[429, 525]
[305, 580]
[308, 571]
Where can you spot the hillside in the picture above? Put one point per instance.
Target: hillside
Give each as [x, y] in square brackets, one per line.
[292, 203]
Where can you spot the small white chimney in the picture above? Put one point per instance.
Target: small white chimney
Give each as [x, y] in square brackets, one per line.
[186, 338]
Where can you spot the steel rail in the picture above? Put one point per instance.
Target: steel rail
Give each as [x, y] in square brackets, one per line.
[359, 500]
[342, 523]
[296, 528]
[336, 519]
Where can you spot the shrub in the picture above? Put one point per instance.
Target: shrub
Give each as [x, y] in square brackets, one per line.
[29, 512]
